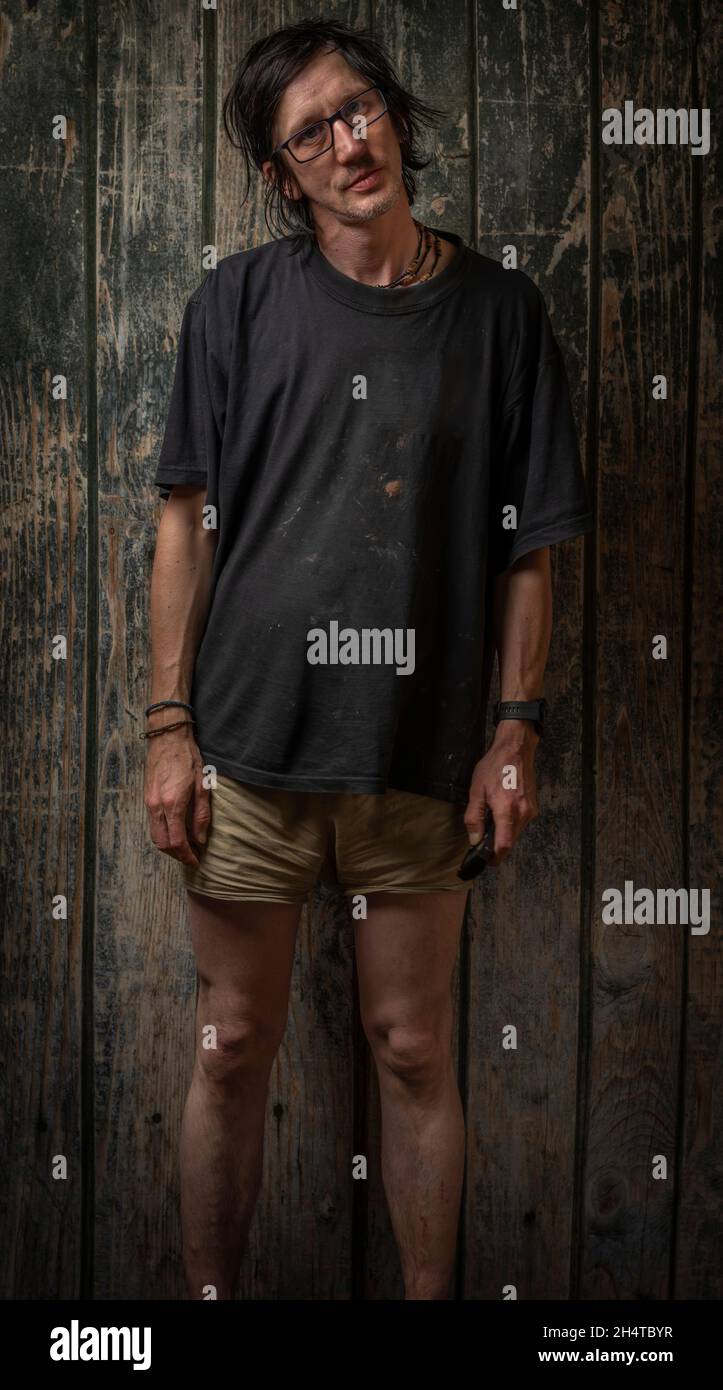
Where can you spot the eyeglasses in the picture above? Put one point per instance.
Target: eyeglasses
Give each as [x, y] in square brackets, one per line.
[316, 139]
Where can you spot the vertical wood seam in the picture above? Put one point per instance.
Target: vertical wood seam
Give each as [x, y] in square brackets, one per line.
[90, 788]
[695, 281]
[588, 780]
[209, 119]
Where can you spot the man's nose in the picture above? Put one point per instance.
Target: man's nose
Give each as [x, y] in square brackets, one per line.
[346, 145]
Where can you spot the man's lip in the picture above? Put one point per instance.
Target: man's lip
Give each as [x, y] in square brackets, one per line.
[366, 175]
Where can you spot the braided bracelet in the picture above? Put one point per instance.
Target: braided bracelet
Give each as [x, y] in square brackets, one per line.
[166, 728]
[161, 704]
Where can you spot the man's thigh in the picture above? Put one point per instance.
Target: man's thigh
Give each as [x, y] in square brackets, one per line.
[406, 950]
[244, 956]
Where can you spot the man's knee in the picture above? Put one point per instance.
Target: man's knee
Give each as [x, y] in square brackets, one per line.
[416, 1054]
[236, 1045]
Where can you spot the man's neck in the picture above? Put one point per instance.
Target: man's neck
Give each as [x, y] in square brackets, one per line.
[377, 251]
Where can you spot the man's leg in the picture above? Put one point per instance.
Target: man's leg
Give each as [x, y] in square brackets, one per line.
[245, 954]
[406, 951]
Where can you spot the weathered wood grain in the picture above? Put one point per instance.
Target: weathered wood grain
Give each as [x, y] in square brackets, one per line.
[632, 1014]
[699, 1225]
[532, 157]
[149, 261]
[42, 754]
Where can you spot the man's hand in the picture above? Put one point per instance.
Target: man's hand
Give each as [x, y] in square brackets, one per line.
[173, 788]
[514, 745]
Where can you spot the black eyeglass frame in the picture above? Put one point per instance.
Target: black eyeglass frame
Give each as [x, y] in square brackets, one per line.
[329, 120]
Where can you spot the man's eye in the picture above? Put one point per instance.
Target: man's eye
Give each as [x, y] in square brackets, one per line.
[312, 132]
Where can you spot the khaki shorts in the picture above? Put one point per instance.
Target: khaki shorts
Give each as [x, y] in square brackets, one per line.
[270, 844]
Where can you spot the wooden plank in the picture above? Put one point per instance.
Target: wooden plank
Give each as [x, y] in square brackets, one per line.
[42, 757]
[699, 1233]
[300, 1241]
[632, 1017]
[149, 261]
[429, 47]
[524, 917]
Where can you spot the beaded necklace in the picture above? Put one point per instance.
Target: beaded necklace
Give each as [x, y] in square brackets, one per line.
[411, 275]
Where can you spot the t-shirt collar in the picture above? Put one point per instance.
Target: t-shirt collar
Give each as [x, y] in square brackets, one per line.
[380, 301]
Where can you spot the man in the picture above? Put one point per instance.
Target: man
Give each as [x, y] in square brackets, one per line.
[368, 453]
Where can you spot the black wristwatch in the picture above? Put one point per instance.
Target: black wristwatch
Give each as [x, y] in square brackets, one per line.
[520, 709]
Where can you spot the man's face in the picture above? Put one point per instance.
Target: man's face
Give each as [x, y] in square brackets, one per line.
[327, 181]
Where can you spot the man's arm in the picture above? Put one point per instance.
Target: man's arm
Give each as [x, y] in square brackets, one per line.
[179, 599]
[522, 629]
[522, 624]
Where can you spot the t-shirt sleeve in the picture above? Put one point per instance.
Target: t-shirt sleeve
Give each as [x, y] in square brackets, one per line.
[536, 467]
[191, 433]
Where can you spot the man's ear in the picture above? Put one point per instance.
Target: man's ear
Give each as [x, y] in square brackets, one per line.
[289, 186]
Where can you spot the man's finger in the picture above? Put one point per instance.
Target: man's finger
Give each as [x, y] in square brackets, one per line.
[506, 832]
[474, 818]
[178, 839]
[200, 812]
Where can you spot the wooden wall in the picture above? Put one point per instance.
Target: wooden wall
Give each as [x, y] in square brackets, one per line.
[619, 1027]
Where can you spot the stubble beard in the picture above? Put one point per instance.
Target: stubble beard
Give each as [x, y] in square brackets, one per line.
[367, 209]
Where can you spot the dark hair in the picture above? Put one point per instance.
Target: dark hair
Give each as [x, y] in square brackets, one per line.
[260, 80]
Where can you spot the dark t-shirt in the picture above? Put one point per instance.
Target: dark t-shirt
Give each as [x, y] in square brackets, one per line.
[363, 449]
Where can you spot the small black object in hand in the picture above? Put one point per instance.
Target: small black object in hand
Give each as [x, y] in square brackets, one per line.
[478, 856]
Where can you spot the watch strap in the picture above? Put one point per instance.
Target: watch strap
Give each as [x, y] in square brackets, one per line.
[534, 710]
